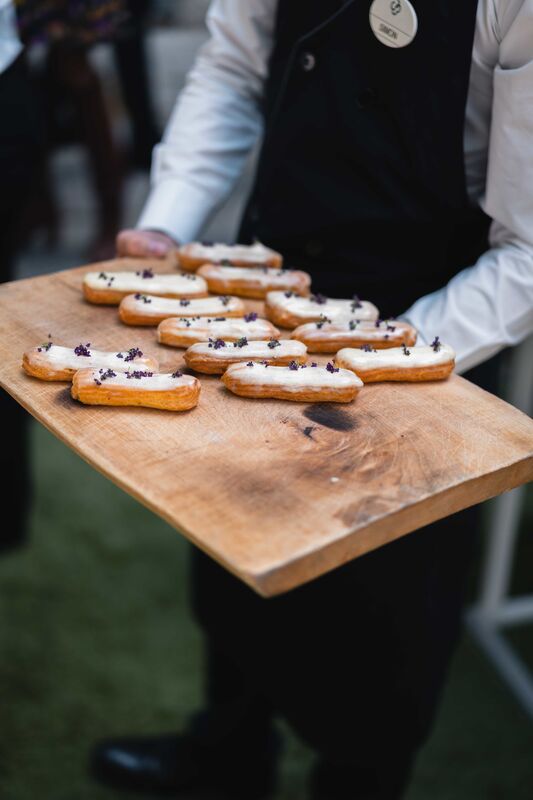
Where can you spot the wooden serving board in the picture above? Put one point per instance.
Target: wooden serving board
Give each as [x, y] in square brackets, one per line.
[277, 492]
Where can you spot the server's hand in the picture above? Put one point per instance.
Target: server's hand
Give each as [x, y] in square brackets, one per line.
[144, 244]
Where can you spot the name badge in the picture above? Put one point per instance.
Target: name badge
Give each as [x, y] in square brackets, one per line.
[394, 22]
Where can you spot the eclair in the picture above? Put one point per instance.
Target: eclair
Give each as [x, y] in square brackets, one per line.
[303, 383]
[193, 255]
[253, 281]
[52, 362]
[109, 288]
[145, 309]
[168, 392]
[216, 356]
[184, 331]
[329, 337]
[433, 362]
[288, 310]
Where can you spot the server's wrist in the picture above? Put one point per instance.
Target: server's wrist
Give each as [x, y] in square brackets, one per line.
[177, 209]
[145, 243]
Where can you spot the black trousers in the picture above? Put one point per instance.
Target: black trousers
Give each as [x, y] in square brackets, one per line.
[21, 148]
[354, 661]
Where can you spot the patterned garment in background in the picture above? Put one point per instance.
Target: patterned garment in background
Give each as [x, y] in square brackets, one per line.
[79, 21]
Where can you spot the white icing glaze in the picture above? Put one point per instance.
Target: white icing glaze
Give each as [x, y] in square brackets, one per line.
[333, 309]
[65, 358]
[159, 284]
[254, 253]
[251, 275]
[159, 381]
[364, 328]
[195, 306]
[308, 377]
[395, 358]
[251, 351]
[231, 327]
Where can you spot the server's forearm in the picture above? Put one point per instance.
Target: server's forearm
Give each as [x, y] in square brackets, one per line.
[484, 308]
[216, 120]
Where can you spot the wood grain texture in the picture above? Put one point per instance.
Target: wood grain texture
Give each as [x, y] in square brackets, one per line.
[278, 493]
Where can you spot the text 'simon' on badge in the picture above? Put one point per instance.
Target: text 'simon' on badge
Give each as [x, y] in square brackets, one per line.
[394, 22]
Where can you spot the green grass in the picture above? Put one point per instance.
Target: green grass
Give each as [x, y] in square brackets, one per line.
[96, 639]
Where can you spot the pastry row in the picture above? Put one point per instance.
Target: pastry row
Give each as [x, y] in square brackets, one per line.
[110, 287]
[264, 369]
[241, 270]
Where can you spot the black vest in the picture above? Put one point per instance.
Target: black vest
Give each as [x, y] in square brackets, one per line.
[361, 176]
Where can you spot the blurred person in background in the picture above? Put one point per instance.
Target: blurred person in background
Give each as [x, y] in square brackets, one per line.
[30, 112]
[129, 49]
[76, 112]
[397, 161]
[21, 153]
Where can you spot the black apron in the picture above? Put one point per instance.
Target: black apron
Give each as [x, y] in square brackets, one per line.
[361, 181]
[21, 159]
[361, 178]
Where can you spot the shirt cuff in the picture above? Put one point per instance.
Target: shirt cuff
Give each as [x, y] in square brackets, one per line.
[177, 209]
[417, 317]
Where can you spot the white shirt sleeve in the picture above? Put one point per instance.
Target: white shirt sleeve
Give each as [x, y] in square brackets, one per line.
[490, 305]
[10, 45]
[216, 121]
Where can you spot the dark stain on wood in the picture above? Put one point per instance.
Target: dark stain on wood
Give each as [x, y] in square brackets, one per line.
[330, 416]
[64, 398]
[262, 490]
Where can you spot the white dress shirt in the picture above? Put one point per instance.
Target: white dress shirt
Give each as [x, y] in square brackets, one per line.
[217, 120]
[10, 45]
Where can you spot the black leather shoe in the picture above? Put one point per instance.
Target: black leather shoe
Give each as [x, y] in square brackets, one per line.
[181, 767]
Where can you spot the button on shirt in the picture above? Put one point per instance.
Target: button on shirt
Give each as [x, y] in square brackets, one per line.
[217, 120]
[308, 62]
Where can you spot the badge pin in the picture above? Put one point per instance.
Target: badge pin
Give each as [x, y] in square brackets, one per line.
[393, 22]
